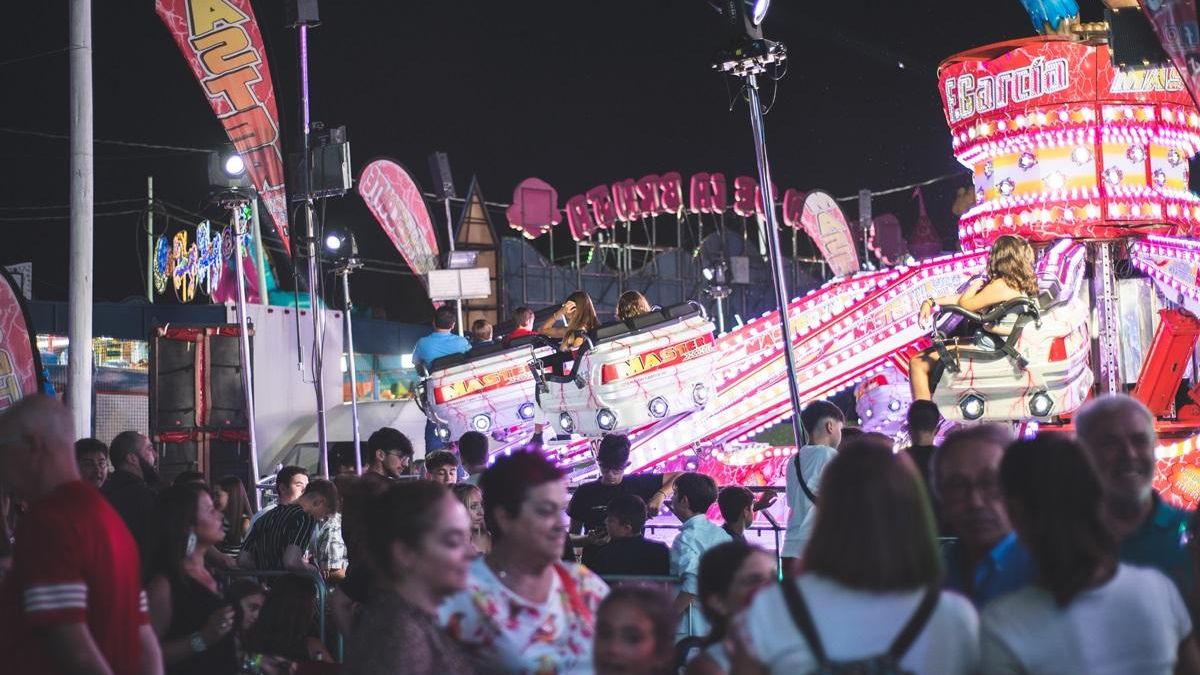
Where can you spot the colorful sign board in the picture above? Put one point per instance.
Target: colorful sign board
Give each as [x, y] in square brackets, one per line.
[20, 365]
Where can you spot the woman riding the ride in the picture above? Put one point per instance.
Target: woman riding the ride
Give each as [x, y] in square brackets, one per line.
[1010, 275]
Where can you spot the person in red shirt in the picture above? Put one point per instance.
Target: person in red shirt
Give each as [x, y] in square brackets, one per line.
[73, 602]
[523, 317]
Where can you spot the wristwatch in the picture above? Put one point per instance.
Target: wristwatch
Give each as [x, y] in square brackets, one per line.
[197, 642]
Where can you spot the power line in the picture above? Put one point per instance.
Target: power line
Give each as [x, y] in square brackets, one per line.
[39, 55]
[64, 206]
[25, 219]
[130, 144]
[902, 188]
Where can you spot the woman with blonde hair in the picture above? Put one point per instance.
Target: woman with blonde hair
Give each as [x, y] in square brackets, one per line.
[1010, 275]
[631, 304]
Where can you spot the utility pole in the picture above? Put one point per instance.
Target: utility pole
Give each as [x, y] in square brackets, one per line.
[82, 185]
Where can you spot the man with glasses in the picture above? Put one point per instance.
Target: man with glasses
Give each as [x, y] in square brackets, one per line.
[91, 455]
[588, 507]
[387, 455]
[986, 561]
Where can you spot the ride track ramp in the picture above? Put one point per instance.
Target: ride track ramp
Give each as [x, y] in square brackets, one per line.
[842, 332]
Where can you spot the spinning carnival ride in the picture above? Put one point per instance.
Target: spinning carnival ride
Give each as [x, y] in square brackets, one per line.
[1087, 162]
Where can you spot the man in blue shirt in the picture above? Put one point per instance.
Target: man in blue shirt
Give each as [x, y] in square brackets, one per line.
[441, 342]
[986, 561]
[1118, 431]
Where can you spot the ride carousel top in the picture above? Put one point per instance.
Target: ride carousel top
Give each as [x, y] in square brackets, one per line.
[1063, 144]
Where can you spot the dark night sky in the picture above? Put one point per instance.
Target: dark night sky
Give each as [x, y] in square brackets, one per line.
[575, 93]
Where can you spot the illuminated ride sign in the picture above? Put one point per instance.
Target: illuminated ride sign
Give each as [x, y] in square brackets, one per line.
[478, 384]
[655, 359]
[1061, 144]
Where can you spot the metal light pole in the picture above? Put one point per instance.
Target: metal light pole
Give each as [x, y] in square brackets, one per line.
[240, 234]
[82, 183]
[150, 239]
[347, 266]
[748, 69]
[310, 245]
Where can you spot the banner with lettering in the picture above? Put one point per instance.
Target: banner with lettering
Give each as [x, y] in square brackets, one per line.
[824, 222]
[223, 45]
[20, 364]
[396, 202]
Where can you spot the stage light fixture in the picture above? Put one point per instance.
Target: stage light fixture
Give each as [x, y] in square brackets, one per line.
[234, 166]
[658, 407]
[760, 11]
[566, 423]
[525, 411]
[1040, 404]
[341, 244]
[443, 433]
[700, 395]
[481, 423]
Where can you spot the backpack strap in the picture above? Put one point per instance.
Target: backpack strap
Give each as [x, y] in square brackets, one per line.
[803, 619]
[916, 623]
[800, 477]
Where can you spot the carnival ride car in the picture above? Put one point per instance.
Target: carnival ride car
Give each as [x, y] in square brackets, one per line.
[488, 389]
[1029, 358]
[631, 373]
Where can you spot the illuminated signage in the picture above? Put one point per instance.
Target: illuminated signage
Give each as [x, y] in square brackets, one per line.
[656, 359]
[486, 382]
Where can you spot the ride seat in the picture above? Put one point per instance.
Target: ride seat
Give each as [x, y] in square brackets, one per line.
[1022, 311]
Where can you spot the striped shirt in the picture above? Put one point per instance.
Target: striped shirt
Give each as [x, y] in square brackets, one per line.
[279, 528]
[74, 563]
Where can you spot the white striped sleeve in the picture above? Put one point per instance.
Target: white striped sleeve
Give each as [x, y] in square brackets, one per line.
[143, 603]
[55, 597]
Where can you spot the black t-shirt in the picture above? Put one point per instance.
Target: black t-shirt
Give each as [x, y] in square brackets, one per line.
[636, 556]
[922, 456]
[589, 504]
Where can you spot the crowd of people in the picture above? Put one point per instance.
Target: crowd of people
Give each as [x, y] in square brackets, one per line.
[979, 554]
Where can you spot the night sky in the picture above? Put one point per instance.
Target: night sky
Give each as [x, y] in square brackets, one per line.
[575, 93]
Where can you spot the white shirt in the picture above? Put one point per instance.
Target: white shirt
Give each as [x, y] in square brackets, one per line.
[696, 536]
[1132, 624]
[854, 624]
[802, 513]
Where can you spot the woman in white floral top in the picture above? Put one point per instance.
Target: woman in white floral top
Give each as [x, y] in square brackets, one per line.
[523, 611]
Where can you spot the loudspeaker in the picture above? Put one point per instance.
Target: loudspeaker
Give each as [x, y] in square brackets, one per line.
[302, 12]
[443, 181]
[226, 397]
[330, 175]
[172, 384]
[1132, 41]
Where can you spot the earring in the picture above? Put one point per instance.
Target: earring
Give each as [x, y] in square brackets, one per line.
[191, 543]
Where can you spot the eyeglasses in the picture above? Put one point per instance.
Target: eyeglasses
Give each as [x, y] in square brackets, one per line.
[404, 457]
[959, 489]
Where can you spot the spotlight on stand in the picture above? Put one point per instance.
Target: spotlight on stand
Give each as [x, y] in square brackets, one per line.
[716, 277]
[227, 170]
[341, 245]
[744, 18]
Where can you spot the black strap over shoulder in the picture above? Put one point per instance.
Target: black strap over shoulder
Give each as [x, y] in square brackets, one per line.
[916, 623]
[803, 619]
[900, 646]
[800, 477]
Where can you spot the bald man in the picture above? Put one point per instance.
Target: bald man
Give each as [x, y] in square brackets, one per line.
[73, 602]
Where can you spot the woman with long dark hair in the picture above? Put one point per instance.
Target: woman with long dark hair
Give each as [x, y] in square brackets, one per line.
[523, 610]
[285, 626]
[1086, 612]
[193, 621]
[635, 632]
[229, 496]
[730, 575]
[871, 580]
[418, 541]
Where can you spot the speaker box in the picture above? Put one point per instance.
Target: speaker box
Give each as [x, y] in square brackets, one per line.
[302, 12]
[173, 384]
[226, 397]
